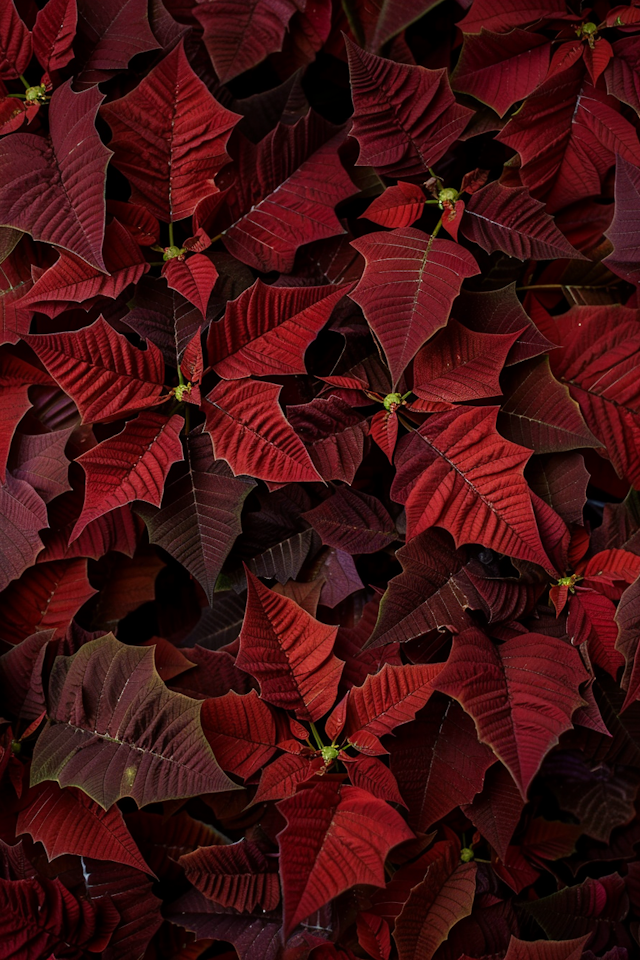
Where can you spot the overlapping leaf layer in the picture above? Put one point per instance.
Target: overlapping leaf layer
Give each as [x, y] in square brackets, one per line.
[319, 480]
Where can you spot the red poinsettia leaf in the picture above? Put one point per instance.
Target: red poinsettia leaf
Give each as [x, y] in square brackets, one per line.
[336, 837]
[281, 778]
[194, 277]
[500, 311]
[72, 280]
[496, 811]
[520, 678]
[599, 363]
[140, 224]
[438, 762]
[39, 459]
[185, 132]
[450, 454]
[241, 730]
[239, 875]
[41, 915]
[374, 776]
[406, 116]
[133, 465]
[546, 949]
[283, 192]
[266, 331]
[101, 371]
[440, 900]
[540, 413]
[500, 68]
[109, 35]
[333, 433]
[622, 231]
[509, 219]
[353, 522]
[593, 907]
[597, 58]
[199, 518]
[68, 821]
[46, 597]
[384, 431]
[22, 514]
[373, 935]
[515, 13]
[15, 43]
[458, 365]
[627, 619]
[62, 183]
[109, 710]
[250, 432]
[238, 35]
[288, 652]
[407, 289]
[399, 206]
[53, 34]
[591, 619]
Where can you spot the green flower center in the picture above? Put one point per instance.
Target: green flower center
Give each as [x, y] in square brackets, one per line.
[329, 754]
[172, 252]
[33, 94]
[466, 854]
[392, 400]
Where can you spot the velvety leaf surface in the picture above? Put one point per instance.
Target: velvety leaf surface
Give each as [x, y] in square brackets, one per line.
[108, 36]
[352, 522]
[239, 876]
[103, 718]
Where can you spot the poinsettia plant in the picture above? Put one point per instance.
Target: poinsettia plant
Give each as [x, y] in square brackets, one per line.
[319, 472]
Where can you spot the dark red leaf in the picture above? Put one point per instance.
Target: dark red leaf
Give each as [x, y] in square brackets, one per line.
[109, 35]
[352, 522]
[239, 876]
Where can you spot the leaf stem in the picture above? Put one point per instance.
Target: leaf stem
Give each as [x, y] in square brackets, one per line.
[171, 242]
[25, 82]
[436, 229]
[431, 202]
[316, 735]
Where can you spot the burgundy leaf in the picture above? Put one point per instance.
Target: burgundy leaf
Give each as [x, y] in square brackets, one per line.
[46, 597]
[194, 278]
[53, 34]
[398, 206]
[239, 876]
[409, 284]
[109, 35]
[406, 117]
[23, 514]
[333, 434]
[514, 13]
[335, 837]
[52, 188]
[521, 694]
[133, 465]
[184, 130]
[288, 652]
[352, 522]
[109, 710]
[241, 731]
[15, 43]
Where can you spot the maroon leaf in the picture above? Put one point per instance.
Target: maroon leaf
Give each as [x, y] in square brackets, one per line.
[241, 730]
[194, 278]
[185, 132]
[62, 184]
[622, 233]
[443, 480]
[46, 597]
[398, 206]
[521, 698]
[498, 69]
[593, 907]
[133, 465]
[409, 284]
[238, 34]
[23, 513]
[239, 876]
[108, 37]
[99, 369]
[333, 434]
[53, 34]
[288, 652]
[109, 710]
[15, 43]
[335, 837]
[514, 13]
[67, 821]
[372, 775]
[352, 522]
[406, 117]
[250, 432]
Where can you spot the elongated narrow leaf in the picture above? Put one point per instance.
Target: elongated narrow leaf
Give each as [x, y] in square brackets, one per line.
[99, 369]
[22, 514]
[406, 117]
[133, 465]
[625, 258]
[53, 186]
[114, 730]
[199, 518]
[336, 837]
[509, 219]
[409, 284]
[194, 278]
[109, 35]
[266, 331]
[184, 130]
[521, 694]
[444, 481]
[250, 432]
[240, 33]
[15, 43]
[239, 876]
[353, 522]
[53, 33]
[289, 653]
[68, 821]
